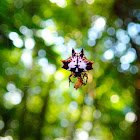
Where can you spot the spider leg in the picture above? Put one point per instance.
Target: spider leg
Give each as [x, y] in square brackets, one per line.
[70, 79]
[85, 75]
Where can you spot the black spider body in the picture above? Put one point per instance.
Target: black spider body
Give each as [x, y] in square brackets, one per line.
[77, 63]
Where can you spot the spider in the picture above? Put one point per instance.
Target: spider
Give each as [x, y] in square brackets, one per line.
[77, 63]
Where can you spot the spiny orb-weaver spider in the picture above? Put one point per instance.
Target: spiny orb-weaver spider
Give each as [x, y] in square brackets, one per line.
[77, 63]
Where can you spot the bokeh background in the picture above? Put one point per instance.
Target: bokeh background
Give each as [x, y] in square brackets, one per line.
[36, 102]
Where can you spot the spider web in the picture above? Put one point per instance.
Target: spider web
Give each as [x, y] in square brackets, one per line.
[113, 131]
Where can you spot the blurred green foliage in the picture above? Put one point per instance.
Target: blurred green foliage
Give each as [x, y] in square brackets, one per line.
[36, 102]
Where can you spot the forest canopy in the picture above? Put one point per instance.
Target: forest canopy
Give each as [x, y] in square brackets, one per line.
[36, 101]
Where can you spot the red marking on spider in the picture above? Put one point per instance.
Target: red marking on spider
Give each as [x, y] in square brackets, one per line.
[77, 63]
